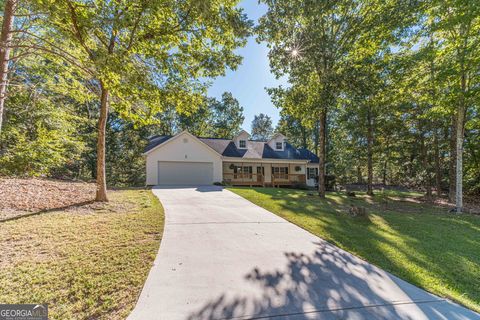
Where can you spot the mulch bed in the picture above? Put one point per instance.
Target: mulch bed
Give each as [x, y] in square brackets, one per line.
[25, 196]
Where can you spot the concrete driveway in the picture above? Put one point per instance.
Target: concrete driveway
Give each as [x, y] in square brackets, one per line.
[222, 257]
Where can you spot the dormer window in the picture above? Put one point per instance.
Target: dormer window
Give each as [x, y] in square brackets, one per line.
[279, 145]
[241, 139]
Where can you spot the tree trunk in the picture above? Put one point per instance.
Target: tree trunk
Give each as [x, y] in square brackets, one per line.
[438, 170]
[426, 167]
[461, 112]
[304, 137]
[315, 138]
[5, 43]
[370, 151]
[359, 175]
[453, 157]
[102, 125]
[459, 167]
[321, 153]
[385, 162]
[384, 173]
[433, 91]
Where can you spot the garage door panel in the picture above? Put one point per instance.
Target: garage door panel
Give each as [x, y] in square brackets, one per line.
[185, 173]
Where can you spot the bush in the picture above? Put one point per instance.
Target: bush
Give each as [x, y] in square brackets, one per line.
[300, 186]
[330, 181]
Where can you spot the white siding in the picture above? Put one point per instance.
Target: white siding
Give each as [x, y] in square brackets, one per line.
[183, 148]
[241, 136]
[277, 138]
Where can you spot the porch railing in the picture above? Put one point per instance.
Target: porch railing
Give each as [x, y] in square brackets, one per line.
[252, 179]
[279, 179]
[244, 178]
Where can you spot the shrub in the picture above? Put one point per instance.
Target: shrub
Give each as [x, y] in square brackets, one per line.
[300, 186]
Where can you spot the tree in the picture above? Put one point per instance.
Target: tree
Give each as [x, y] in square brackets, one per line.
[5, 48]
[213, 118]
[300, 128]
[198, 122]
[298, 134]
[312, 42]
[315, 44]
[458, 25]
[125, 165]
[143, 55]
[42, 130]
[261, 127]
[227, 116]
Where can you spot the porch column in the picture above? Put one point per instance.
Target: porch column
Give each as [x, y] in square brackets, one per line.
[306, 173]
[262, 171]
[243, 173]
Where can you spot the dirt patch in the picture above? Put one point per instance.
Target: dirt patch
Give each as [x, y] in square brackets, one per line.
[25, 196]
[470, 203]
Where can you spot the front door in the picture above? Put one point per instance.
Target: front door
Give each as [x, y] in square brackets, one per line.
[260, 174]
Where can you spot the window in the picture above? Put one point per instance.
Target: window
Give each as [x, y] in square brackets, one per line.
[242, 144]
[279, 145]
[242, 172]
[312, 173]
[283, 170]
[280, 172]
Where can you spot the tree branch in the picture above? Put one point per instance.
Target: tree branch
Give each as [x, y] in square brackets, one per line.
[58, 54]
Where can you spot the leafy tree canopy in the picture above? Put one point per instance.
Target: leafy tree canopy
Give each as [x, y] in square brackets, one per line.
[261, 127]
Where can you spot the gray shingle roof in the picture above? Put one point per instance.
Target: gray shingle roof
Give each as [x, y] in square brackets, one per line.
[255, 149]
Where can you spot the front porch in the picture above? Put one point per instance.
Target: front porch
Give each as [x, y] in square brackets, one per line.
[264, 174]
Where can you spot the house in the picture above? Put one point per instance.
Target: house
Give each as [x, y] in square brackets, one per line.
[185, 159]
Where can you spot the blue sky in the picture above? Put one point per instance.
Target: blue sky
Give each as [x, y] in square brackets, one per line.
[248, 82]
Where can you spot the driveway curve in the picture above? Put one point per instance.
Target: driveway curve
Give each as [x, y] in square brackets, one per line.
[222, 257]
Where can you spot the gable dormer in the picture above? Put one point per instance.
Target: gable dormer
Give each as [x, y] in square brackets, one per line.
[277, 142]
[241, 140]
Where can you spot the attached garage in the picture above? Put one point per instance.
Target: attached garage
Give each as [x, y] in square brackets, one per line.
[182, 160]
[185, 173]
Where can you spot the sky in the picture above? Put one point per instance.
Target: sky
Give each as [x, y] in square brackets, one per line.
[248, 82]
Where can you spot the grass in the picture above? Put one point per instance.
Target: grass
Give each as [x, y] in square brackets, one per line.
[418, 242]
[86, 263]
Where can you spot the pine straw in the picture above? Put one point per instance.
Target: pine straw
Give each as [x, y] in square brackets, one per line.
[26, 196]
[84, 266]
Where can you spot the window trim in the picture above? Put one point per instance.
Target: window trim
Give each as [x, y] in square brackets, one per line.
[240, 144]
[276, 145]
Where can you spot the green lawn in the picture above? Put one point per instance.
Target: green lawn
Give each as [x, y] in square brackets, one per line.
[422, 244]
[86, 263]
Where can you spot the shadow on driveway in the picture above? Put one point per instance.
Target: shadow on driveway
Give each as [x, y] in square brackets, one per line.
[331, 284]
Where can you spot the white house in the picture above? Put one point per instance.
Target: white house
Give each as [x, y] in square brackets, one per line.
[185, 159]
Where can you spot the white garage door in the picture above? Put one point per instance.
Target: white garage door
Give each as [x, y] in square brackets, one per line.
[185, 173]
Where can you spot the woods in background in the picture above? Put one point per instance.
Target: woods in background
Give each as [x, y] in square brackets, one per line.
[385, 92]
[132, 58]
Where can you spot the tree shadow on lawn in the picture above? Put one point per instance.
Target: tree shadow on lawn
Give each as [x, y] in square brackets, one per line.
[327, 284]
[23, 214]
[87, 206]
[428, 250]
